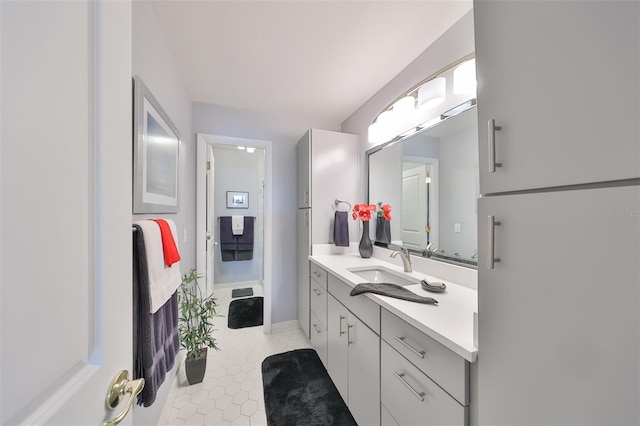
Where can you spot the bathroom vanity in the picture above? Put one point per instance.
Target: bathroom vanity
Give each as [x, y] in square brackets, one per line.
[394, 362]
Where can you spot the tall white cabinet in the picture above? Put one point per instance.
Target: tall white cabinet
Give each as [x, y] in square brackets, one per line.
[327, 170]
[558, 222]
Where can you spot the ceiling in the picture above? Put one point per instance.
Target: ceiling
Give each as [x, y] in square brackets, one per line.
[312, 60]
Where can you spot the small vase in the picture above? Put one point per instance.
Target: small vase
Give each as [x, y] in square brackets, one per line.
[383, 231]
[365, 247]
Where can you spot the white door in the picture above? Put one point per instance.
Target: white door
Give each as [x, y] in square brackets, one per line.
[414, 212]
[66, 209]
[211, 220]
[559, 320]
[561, 80]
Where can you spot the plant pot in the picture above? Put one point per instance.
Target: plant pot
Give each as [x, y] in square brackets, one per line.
[196, 367]
[383, 231]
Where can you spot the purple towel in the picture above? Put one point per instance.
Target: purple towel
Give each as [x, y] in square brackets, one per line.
[155, 336]
[341, 229]
[228, 241]
[245, 241]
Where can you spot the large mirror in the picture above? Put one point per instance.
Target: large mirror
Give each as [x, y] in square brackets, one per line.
[431, 180]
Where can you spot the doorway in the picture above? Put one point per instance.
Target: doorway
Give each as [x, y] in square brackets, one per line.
[234, 179]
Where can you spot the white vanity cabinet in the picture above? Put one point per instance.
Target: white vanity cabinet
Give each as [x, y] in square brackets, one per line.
[354, 351]
[561, 80]
[422, 381]
[318, 315]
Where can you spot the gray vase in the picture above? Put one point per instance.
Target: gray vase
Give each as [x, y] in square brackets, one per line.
[383, 231]
[365, 247]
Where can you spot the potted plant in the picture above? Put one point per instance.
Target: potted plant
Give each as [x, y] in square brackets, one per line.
[195, 329]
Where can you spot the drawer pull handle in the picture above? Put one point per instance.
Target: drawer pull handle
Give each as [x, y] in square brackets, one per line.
[491, 141]
[317, 329]
[317, 292]
[408, 346]
[400, 376]
[341, 318]
[317, 274]
[349, 327]
[492, 242]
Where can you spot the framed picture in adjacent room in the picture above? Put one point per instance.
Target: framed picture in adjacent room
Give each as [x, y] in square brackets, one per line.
[156, 149]
[237, 200]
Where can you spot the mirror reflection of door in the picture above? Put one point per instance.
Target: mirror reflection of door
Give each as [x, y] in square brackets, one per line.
[419, 202]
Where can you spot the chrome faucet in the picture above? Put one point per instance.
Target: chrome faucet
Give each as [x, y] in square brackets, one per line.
[428, 252]
[405, 256]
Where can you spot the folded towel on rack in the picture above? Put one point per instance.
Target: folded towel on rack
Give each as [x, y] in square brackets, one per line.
[228, 241]
[169, 248]
[341, 229]
[237, 224]
[245, 241]
[163, 280]
[155, 336]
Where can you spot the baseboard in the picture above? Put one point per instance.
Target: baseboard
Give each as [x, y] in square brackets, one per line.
[284, 326]
[236, 284]
[173, 383]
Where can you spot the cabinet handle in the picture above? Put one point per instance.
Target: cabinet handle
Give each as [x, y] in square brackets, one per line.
[492, 226]
[317, 292]
[349, 327]
[492, 128]
[408, 346]
[317, 274]
[317, 329]
[306, 197]
[400, 376]
[341, 318]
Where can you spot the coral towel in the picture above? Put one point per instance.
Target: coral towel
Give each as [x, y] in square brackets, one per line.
[171, 254]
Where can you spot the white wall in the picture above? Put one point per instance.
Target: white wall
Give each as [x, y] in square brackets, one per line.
[454, 44]
[236, 170]
[153, 62]
[284, 134]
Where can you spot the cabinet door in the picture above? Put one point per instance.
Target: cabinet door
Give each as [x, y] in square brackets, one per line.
[364, 372]
[337, 345]
[559, 321]
[319, 338]
[304, 171]
[303, 269]
[561, 79]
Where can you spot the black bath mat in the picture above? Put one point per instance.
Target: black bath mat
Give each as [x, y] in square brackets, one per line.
[245, 312]
[242, 292]
[299, 391]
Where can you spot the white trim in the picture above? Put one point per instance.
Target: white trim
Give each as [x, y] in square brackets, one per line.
[202, 140]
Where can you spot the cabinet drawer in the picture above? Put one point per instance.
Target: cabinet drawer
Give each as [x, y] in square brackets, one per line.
[442, 365]
[318, 297]
[318, 274]
[319, 338]
[412, 398]
[364, 308]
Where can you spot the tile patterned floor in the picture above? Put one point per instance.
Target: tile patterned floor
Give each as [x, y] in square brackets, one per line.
[231, 392]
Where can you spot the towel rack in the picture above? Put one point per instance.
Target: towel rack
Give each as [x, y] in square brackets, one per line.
[337, 202]
[232, 215]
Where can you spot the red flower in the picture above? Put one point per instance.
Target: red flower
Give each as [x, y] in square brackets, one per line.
[384, 211]
[363, 211]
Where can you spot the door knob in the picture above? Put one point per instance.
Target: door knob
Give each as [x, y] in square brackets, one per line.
[121, 385]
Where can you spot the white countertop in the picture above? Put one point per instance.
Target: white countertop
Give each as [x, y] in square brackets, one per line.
[450, 322]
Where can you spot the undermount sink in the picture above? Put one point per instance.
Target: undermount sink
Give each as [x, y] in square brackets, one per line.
[380, 274]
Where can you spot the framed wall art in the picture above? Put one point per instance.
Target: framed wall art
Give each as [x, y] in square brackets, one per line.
[237, 200]
[156, 160]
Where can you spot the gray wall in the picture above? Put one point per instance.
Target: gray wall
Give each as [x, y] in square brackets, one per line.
[457, 42]
[236, 170]
[284, 134]
[153, 62]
